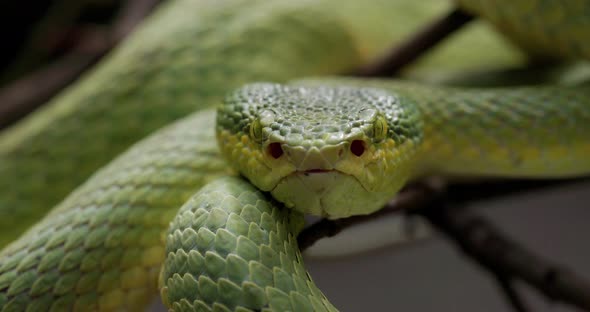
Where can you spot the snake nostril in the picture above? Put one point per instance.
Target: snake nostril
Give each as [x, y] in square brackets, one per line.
[357, 147]
[275, 150]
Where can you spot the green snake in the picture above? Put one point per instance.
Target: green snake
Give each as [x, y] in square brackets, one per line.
[333, 148]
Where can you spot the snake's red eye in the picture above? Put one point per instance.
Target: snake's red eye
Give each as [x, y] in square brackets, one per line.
[357, 147]
[275, 150]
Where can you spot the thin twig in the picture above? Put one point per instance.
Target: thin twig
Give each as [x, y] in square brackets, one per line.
[507, 288]
[411, 198]
[417, 196]
[42, 40]
[130, 15]
[477, 237]
[406, 52]
[25, 95]
[486, 244]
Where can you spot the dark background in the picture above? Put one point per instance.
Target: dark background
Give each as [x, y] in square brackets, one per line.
[36, 33]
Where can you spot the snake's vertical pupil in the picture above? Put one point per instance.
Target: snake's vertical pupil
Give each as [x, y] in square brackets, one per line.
[275, 150]
[357, 147]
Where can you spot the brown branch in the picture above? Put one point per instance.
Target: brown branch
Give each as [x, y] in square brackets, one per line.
[477, 237]
[486, 244]
[408, 200]
[417, 196]
[408, 51]
[506, 285]
[27, 94]
[44, 38]
[480, 240]
[131, 14]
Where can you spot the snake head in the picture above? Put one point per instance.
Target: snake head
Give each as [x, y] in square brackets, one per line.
[330, 151]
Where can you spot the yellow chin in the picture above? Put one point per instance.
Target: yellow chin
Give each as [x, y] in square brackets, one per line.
[331, 194]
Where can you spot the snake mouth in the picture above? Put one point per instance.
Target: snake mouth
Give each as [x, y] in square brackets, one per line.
[312, 171]
[318, 172]
[321, 192]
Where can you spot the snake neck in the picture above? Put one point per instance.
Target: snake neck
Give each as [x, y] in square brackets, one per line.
[521, 132]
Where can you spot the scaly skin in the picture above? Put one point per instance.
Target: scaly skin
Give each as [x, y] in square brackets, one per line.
[179, 63]
[207, 265]
[242, 252]
[491, 115]
[410, 131]
[101, 248]
[231, 247]
[545, 28]
[184, 58]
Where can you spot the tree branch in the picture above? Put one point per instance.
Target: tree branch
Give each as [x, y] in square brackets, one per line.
[24, 95]
[477, 237]
[408, 51]
[486, 244]
[506, 285]
[410, 199]
[444, 208]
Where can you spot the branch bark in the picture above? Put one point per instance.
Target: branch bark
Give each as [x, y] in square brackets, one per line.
[506, 285]
[479, 239]
[408, 51]
[487, 245]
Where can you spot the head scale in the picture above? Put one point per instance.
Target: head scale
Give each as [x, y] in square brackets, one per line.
[331, 151]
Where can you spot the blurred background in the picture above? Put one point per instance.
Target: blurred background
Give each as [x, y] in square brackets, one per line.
[38, 33]
[48, 43]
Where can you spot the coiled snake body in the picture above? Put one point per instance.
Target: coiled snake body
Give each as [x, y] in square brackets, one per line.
[328, 147]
